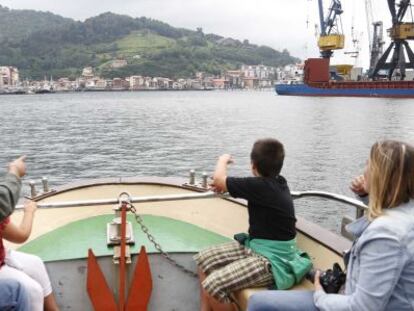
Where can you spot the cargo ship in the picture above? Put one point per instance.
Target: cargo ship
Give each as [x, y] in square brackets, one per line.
[387, 72]
[317, 82]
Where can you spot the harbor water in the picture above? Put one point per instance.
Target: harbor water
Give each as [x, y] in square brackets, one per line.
[77, 136]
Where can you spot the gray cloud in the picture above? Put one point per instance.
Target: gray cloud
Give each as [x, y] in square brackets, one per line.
[277, 23]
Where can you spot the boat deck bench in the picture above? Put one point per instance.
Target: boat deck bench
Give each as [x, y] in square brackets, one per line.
[242, 296]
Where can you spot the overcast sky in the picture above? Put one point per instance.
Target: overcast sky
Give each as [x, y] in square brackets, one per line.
[276, 23]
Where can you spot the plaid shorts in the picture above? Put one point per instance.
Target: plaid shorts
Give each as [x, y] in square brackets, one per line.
[230, 267]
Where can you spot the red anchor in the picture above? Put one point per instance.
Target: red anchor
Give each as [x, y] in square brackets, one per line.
[140, 289]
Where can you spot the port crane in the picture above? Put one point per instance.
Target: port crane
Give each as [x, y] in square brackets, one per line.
[331, 35]
[400, 33]
[375, 36]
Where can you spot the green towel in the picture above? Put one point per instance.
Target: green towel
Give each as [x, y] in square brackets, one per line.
[289, 264]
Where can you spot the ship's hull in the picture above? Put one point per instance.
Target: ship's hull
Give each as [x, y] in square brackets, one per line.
[355, 90]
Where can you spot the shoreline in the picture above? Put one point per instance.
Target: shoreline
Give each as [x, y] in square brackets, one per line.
[131, 91]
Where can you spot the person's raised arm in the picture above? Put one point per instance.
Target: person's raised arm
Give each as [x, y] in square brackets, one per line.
[220, 174]
[20, 234]
[10, 187]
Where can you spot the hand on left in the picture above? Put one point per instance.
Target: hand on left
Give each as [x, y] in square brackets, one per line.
[30, 207]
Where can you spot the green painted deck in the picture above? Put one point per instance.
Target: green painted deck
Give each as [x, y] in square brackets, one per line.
[73, 240]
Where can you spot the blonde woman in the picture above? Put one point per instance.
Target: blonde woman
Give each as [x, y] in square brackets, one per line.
[380, 272]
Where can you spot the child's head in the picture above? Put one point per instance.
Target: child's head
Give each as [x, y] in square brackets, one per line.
[389, 176]
[267, 157]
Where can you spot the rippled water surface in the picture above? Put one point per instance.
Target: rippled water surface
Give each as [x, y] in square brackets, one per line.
[70, 137]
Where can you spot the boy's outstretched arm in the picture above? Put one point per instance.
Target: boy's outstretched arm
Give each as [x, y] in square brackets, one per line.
[220, 174]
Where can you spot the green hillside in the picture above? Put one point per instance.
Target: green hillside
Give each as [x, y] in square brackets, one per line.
[43, 44]
[16, 25]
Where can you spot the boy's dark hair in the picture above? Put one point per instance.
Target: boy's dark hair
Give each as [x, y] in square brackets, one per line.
[267, 156]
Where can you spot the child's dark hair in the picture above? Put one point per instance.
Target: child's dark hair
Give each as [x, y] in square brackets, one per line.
[267, 156]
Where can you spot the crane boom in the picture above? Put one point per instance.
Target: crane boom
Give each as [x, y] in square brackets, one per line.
[331, 37]
[400, 33]
[370, 21]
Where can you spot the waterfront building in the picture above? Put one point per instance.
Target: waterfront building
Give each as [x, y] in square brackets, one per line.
[116, 83]
[179, 84]
[163, 83]
[137, 82]
[199, 75]
[90, 84]
[147, 82]
[258, 71]
[9, 76]
[88, 73]
[235, 78]
[63, 85]
[292, 72]
[208, 82]
[196, 84]
[251, 82]
[265, 83]
[120, 84]
[101, 84]
[220, 83]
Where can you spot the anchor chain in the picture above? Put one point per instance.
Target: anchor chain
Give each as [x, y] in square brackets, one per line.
[157, 246]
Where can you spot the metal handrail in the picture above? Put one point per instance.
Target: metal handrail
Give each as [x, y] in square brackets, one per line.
[143, 199]
[332, 196]
[194, 196]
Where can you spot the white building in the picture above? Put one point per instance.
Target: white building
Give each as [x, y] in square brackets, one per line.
[291, 72]
[258, 71]
[9, 76]
[137, 82]
[88, 73]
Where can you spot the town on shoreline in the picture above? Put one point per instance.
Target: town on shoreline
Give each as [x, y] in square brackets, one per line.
[250, 77]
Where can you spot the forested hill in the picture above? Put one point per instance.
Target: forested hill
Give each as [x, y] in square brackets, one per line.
[43, 44]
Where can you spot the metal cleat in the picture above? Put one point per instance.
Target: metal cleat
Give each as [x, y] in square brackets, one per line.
[45, 184]
[33, 192]
[204, 180]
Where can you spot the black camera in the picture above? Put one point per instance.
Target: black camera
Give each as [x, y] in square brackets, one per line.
[331, 279]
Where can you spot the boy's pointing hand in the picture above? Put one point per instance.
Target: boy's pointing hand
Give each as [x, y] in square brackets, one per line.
[226, 158]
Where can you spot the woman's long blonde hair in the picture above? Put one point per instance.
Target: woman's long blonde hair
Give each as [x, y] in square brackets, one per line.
[391, 176]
